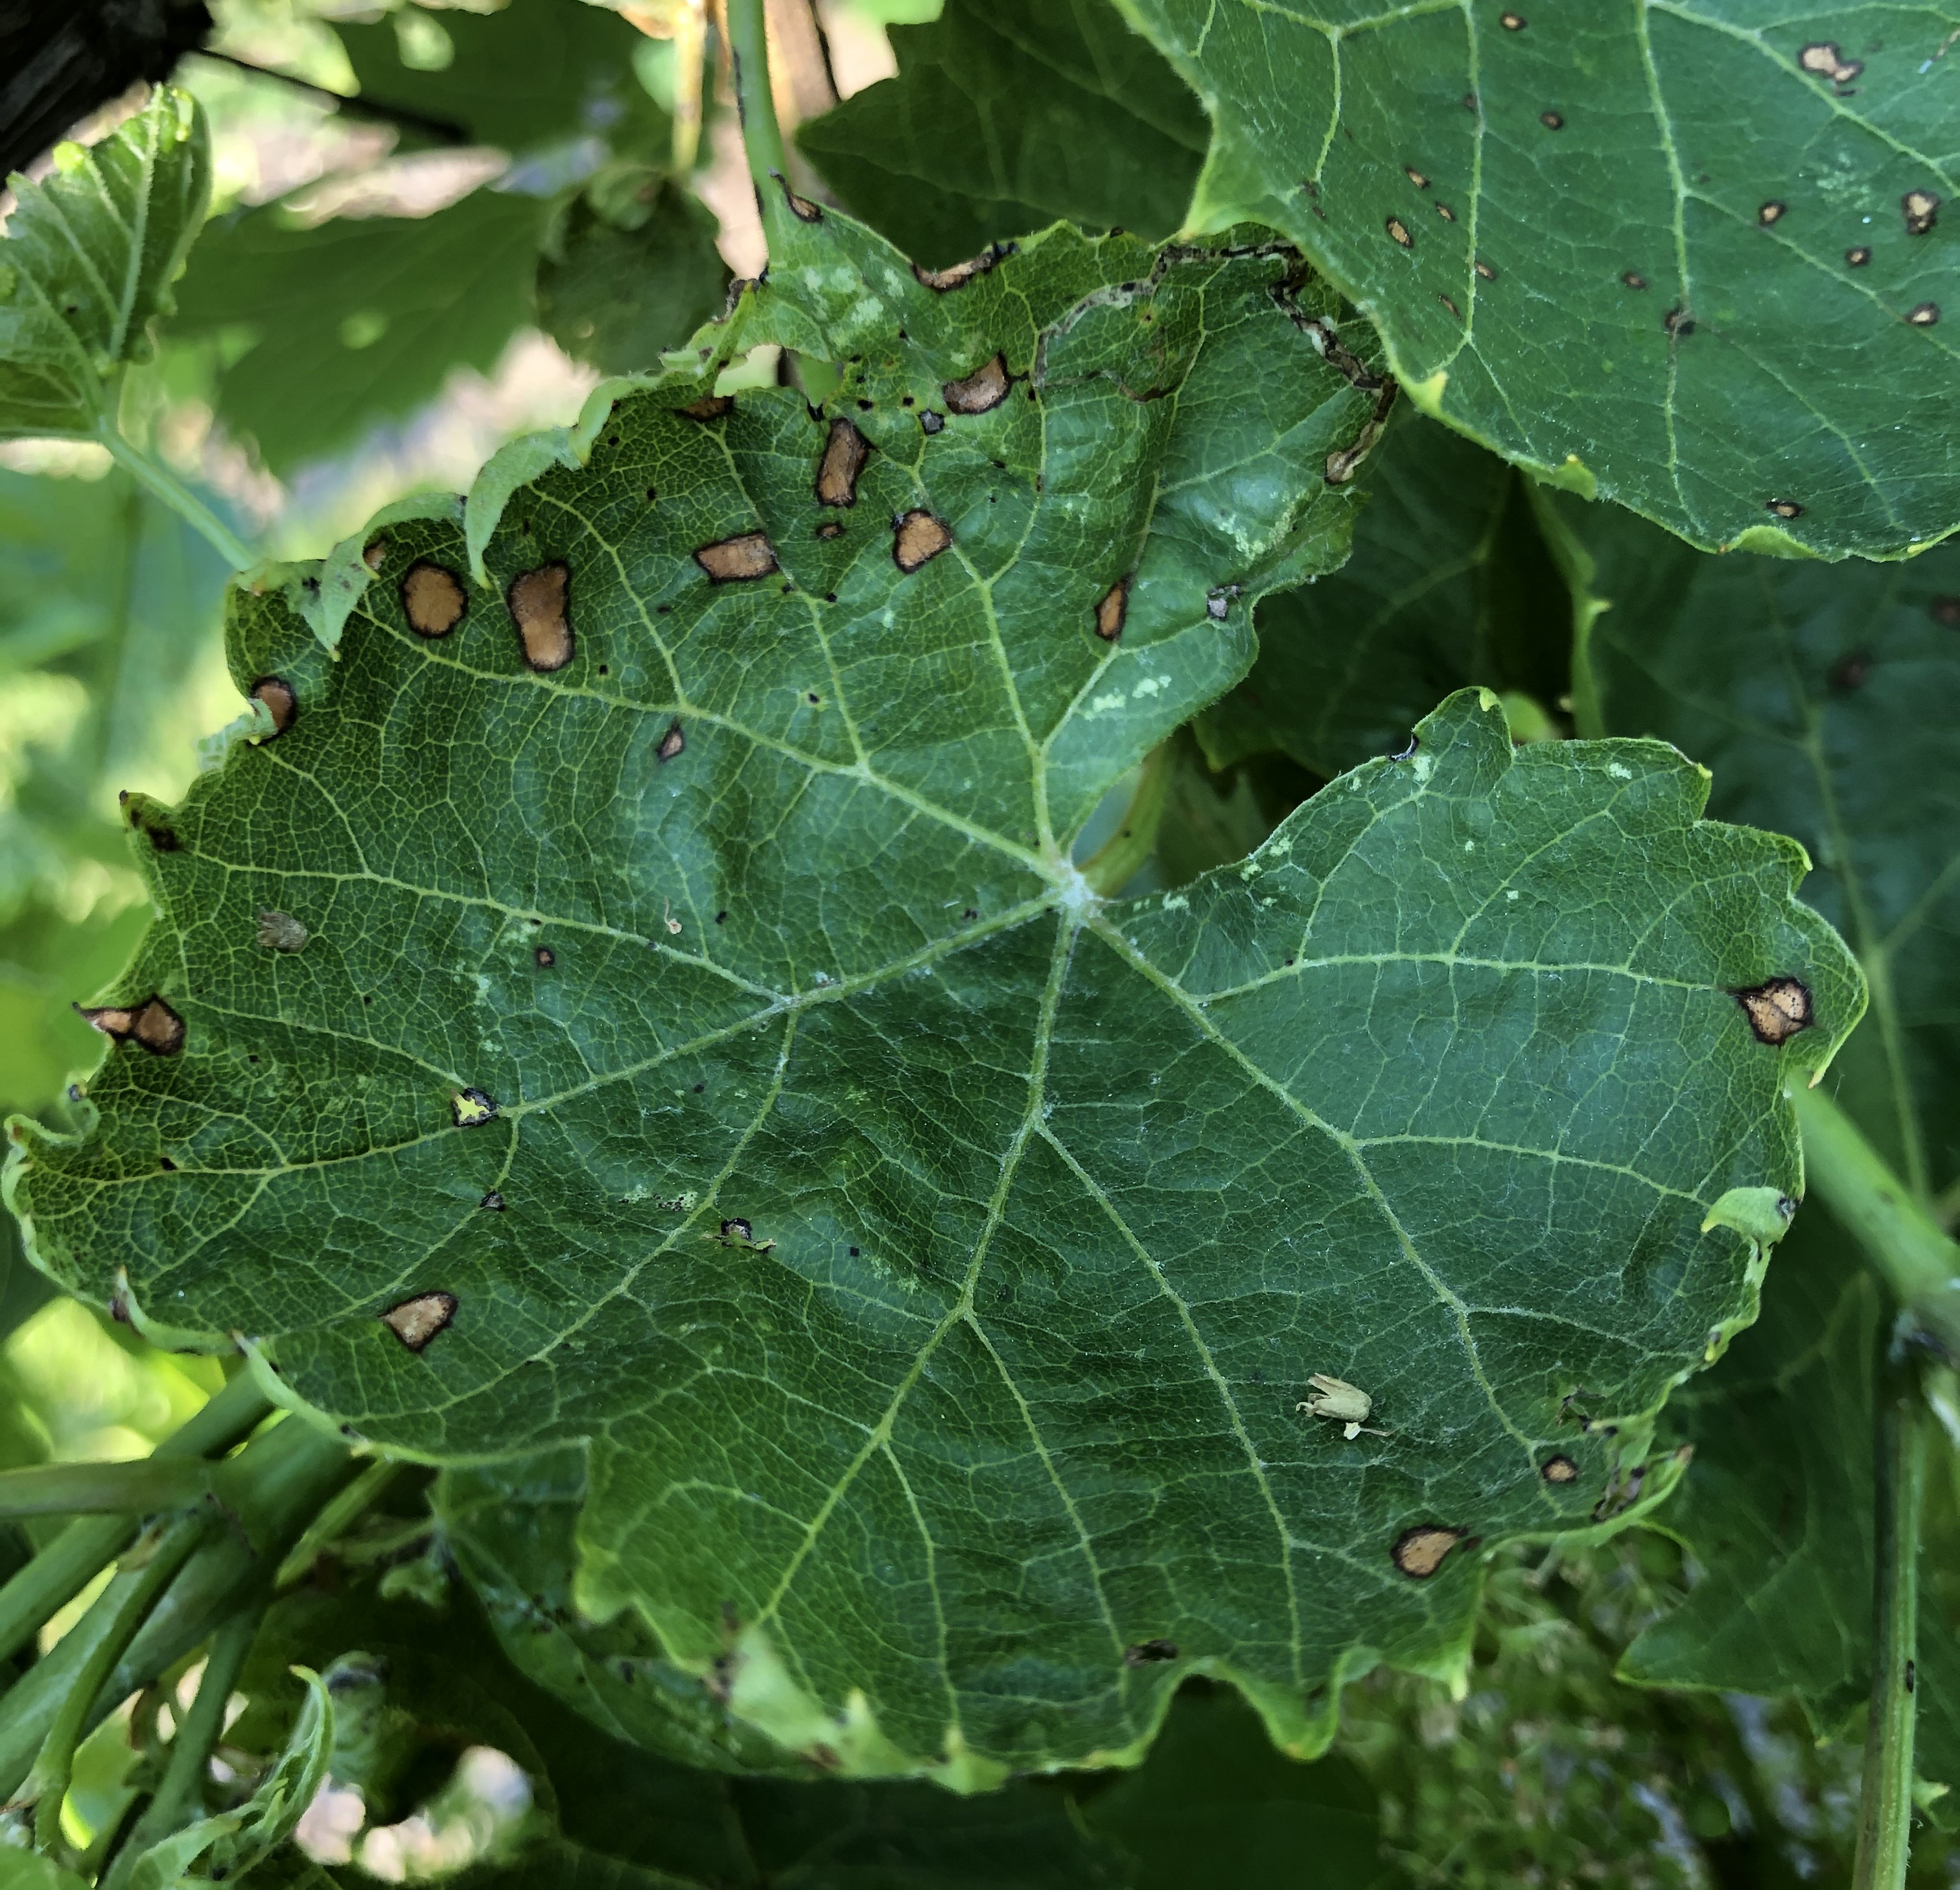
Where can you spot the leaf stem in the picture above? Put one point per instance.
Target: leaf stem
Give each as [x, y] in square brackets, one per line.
[140, 1486]
[749, 55]
[1884, 1805]
[60, 1571]
[343, 1509]
[1110, 867]
[180, 1797]
[165, 484]
[1917, 1258]
[46, 1783]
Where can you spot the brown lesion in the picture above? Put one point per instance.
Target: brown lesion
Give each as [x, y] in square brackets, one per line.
[708, 407]
[281, 703]
[1777, 1009]
[415, 1322]
[374, 553]
[800, 208]
[980, 391]
[540, 603]
[672, 743]
[152, 1024]
[1559, 1469]
[738, 560]
[1419, 1551]
[1112, 608]
[845, 453]
[1399, 233]
[917, 538]
[1822, 59]
[960, 274]
[1145, 1653]
[433, 598]
[1922, 211]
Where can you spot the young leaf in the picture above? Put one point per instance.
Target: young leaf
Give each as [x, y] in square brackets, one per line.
[357, 319]
[1616, 249]
[1450, 584]
[86, 264]
[1005, 117]
[704, 1045]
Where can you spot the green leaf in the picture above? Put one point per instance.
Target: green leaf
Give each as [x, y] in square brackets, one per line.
[1449, 584]
[538, 73]
[357, 320]
[1667, 256]
[87, 261]
[1004, 116]
[1825, 700]
[620, 280]
[705, 1047]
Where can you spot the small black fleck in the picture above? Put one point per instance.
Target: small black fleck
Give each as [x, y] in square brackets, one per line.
[1945, 610]
[699, 1088]
[1911, 1676]
[931, 422]
[1851, 672]
[736, 1228]
[167, 1165]
[1145, 1653]
[865, 406]
[719, 917]
[971, 913]
[603, 670]
[814, 697]
[1677, 322]
[830, 596]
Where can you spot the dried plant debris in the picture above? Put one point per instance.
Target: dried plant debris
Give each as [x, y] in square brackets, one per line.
[152, 1025]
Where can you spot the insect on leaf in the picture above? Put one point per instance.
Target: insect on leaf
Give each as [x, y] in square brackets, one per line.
[700, 1003]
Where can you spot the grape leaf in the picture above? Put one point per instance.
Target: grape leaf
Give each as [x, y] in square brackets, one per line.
[1825, 700]
[520, 77]
[1450, 584]
[87, 261]
[620, 281]
[1005, 117]
[357, 319]
[1678, 257]
[702, 1044]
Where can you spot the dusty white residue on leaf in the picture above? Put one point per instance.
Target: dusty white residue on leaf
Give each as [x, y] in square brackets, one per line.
[1619, 771]
[1425, 766]
[1512, 894]
[1097, 704]
[1175, 902]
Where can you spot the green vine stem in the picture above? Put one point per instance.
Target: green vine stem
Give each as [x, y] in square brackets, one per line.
[179, 1796]
[1914, 1255]
[143, 1486]
[47, 1781]
[60, 1572]
[165, 484]
[1884, 1805]
[749, 55]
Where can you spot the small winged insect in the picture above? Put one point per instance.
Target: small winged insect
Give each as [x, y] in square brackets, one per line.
[1346, 1404]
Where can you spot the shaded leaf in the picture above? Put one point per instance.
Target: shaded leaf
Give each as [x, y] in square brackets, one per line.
[933, 1254]
[1825, 700]
[1450, 584]
[87, 261]
[1670, 253]
[526, 75]
[357, 321]
[1005, 117]
[618, 282]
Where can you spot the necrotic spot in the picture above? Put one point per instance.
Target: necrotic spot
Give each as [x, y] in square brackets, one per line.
[471, 1108]
[1924, 316]
[1858, 257]
[1111, 610]
[415, 1322]
[1559, 1470]
[1551, 121]
[804, 210]
[1443, 211]
[672, 743]
[1449, 304]
[982, 390]
[1147, 1652]
[1922, 211]
[374, 553]
[1484, 269]
[1633, 279]
[1945, 610]
[432, 598]
[540, 604]
[280, 703]
[1785, 508]
[960, 274]
[738, 560]
[152, 1024]
[1398, 233]
[1777, 1010]
[1420, 1551]
[1770, 213]
[844, 456]
[281, 932]
[1416, 177]
[708, 407]
[917, 538]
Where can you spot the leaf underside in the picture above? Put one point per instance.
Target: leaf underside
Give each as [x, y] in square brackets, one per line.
[88, 260]
[703, 1046]
[1691, 250]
